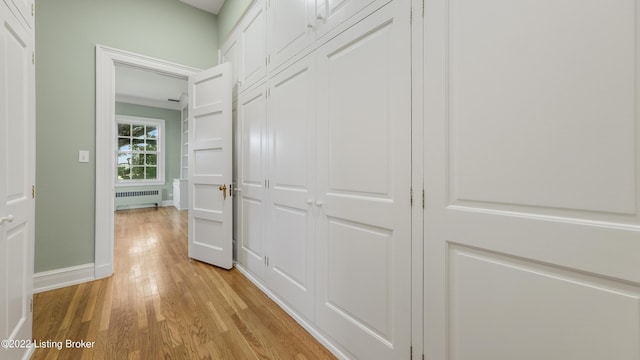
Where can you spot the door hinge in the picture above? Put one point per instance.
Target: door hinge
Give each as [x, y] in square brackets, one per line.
[423, 18]
[33, 57]
[423, 198]
[33, 10]
[410, 14]
[31, 305]
[411, 195]
[411, 353]
[33, 191]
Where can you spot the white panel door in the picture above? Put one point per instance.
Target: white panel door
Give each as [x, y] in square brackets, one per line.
[290, 210]
[210, 151]
[364, 180]
[291, 28]
[253, 39]
[17, 169]
[532, 230]
[252, 180]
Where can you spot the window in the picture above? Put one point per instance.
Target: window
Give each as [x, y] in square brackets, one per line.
[139, 151]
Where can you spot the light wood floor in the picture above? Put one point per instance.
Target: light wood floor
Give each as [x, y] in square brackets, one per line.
[160, 305]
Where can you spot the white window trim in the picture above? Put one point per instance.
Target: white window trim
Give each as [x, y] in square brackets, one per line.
[160, 167]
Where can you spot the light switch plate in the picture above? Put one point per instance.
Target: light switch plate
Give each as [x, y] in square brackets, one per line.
[83, 156]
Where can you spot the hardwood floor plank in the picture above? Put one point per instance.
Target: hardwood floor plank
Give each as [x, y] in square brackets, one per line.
[159, 304]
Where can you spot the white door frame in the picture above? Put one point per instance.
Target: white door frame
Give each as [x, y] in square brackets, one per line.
[106, 59]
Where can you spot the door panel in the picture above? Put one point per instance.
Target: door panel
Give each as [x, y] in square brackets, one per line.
[252, 113]
[536, 159]
[231, 53]
[482, 288]
[210, 208]
[292, 185]
[25, 9]
[292, 24]
[331, 13]
[17, 161]
[531, 163]
[254, 46]
[364, 153]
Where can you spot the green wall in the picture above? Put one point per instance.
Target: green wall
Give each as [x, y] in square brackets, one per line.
[172, 129]
[66, 34]
[231, 12]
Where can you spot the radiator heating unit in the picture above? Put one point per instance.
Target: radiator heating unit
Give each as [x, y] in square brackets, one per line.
[138, 198]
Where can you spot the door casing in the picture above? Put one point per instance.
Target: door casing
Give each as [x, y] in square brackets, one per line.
[106, 59]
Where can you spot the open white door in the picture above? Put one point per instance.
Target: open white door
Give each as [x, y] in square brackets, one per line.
[17, 176]
[532, 219]
[210, 166]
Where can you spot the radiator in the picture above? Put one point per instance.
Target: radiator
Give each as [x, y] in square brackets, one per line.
[139, 198]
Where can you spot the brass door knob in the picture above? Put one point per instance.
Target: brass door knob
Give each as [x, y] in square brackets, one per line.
[223, 188]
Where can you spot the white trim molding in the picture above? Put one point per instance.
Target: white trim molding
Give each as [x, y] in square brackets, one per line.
[106, 60]
[148, 102]
[59, 278]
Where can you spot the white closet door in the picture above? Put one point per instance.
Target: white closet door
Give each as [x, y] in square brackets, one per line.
[252, 121]
[291, 28]
[364, 179]
[253, 39]
[292, 185]
[532, 244]
[17, 169]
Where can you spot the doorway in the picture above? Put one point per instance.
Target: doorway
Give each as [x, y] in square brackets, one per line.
[107, 59]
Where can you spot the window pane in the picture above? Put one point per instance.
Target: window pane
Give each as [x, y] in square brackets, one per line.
[124, 130]
[151, 172]
[137, 172]
[152, 145]
[137, 130]
[124, 172]
[138, 144]
[152, 132]
[152, 159]
[124, 144]
[137, 159]
[124, 159]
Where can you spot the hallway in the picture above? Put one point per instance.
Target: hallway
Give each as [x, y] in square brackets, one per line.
[159, 304]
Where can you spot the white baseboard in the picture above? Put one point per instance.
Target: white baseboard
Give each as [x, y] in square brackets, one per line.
[310, 327]
[167, 203]
[59, 278]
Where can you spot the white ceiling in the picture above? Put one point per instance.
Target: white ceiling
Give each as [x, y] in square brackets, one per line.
[212, 6]
[140, 86]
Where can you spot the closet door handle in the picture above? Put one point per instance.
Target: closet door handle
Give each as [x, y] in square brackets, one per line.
[319, 203]
[309, 201]
[4, 219]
